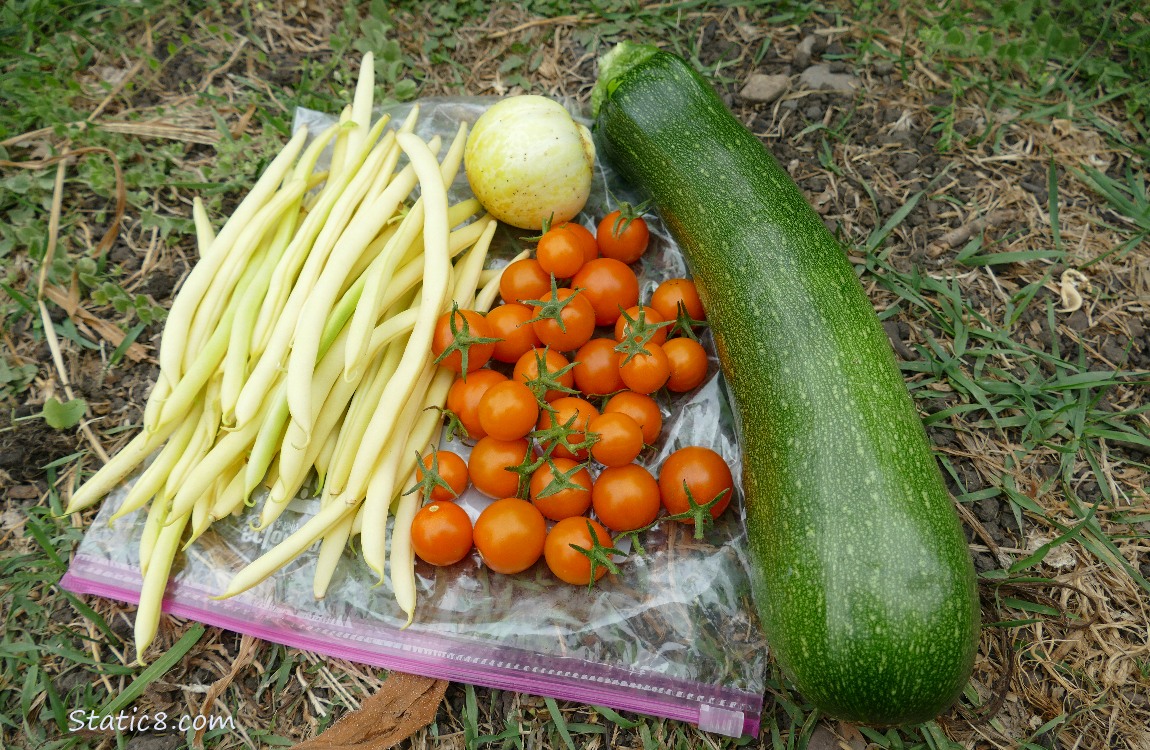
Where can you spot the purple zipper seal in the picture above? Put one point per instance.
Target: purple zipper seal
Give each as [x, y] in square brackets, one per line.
[712, 708]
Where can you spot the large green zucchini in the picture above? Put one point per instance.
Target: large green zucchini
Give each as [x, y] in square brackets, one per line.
[863, 580]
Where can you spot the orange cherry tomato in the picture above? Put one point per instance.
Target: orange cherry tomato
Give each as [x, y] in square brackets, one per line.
[508, 410]
[646, 373]
[441, 533]
[491, 464]
[562, 411]
[464, 395]
[567, 563]
[610, 286]
[578, 322]
[620, 439]
[705, 474]
[524, 279]
[510, 534]
[563, 249]
[688, 362]
[597, 368]
[516, 336]
[651, 316]
[469, 323]
[671, 292]
[622, 239]
[527, 369]
[625, 497]
[557, 503]
[451, 468]
[590, 246]
[640, 407]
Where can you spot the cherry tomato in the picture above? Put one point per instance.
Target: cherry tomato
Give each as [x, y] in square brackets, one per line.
[597, 368]
[625, 497]
[510, 534]
[527, 369]
[590, 246]
[563, 249]
[620, 439]
[671, 292]
[508, 410]
[562, 411]
[586, 240]
[578, 322]
[567, 563]
[705, 473]
[610, 286]
[646, 373]
[524, 279]
[476, 327]
[516, 336]
[464, 395]
[640, 407]
[451, 468]
[651, 316]
[489, 465]
[688, 363]
[565, 502]
[622, 239]
[441, 533]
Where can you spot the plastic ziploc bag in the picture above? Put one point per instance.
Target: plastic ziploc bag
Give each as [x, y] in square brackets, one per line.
[673, 635]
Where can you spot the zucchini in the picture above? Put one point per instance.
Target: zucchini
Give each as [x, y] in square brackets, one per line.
[862, 578]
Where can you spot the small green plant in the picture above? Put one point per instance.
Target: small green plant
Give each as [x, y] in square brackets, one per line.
[392, 67]
[1067, 51]
[63, 415]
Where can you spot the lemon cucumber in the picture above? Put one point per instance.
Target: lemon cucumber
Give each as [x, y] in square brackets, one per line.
[862, 577]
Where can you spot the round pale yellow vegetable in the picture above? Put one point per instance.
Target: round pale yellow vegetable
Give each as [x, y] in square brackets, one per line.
[527, 160]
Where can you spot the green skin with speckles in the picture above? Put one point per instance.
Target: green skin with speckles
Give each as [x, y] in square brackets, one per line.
[863, 580]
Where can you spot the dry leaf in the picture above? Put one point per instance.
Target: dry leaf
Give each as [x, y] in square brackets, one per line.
[405, 704]
[1068, 289]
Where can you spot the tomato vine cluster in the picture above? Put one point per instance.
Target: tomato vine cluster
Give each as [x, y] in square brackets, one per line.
[558, 436]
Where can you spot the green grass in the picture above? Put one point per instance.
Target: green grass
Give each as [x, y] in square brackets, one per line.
[1064, 62]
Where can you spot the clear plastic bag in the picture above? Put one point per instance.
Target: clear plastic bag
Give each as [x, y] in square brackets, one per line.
[674, 634]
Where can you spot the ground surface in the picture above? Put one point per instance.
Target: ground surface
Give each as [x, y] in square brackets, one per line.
[982, 152]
